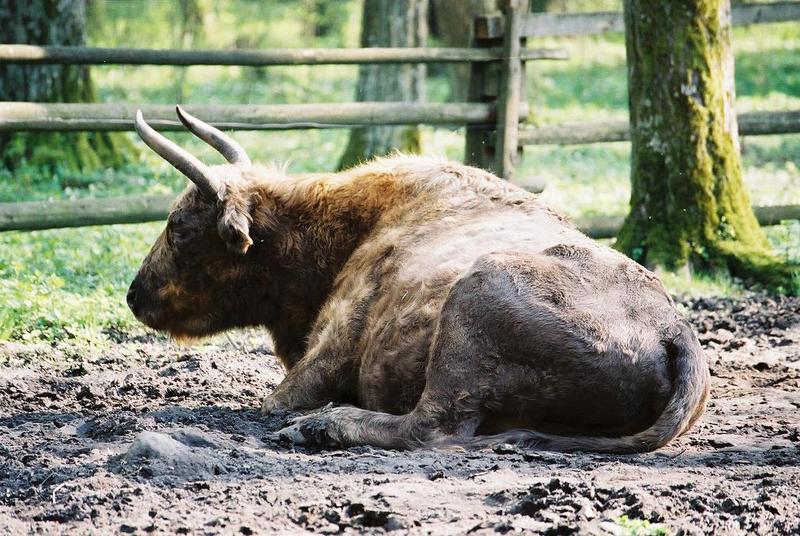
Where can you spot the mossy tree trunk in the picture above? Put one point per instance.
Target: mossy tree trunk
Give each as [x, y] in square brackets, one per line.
[689, 206]
[389, 23]
[52, 22]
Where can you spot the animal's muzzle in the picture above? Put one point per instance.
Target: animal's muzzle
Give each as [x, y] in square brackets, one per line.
[140, 298]
[133, 302]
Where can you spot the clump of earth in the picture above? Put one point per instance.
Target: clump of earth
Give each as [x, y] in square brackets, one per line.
[147, 436]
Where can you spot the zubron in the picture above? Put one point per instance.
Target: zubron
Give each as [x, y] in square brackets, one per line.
[437, 303]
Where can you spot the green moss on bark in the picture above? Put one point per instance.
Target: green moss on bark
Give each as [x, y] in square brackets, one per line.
[688, 201]
[53, 22]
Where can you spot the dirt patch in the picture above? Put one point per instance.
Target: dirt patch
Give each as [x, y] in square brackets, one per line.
[150, 437]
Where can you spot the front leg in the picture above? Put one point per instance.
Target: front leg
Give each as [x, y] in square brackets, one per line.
[328, 371]
[318, 378]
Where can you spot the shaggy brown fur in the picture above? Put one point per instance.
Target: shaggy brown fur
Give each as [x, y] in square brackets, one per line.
[440, 302]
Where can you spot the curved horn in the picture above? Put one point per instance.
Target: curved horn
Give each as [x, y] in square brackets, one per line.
[194, 169]
[224, 144]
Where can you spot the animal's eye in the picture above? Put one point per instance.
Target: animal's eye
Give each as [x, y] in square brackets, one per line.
[179, 235]
[175, 236]
[176, 231]
[184, 230]
[176, 218]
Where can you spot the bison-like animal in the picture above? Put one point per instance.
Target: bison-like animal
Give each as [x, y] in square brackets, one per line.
[437, 303]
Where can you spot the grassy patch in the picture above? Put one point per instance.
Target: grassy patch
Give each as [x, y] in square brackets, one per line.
[785, 240]
[36, 183]
[701, 285]
[589, 180]
[69, 283]
[639, 527]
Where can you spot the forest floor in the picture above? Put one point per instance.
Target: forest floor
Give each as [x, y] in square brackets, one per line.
[145, 436]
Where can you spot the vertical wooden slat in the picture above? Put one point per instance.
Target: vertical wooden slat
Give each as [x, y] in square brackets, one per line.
[509, 98]
[481, 139]
[479, 142]
[475, 139]
[523, 92]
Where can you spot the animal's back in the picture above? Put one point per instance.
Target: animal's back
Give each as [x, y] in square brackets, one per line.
[412, 260]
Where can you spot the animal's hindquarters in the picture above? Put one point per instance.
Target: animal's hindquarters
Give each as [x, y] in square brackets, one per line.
[492, 369]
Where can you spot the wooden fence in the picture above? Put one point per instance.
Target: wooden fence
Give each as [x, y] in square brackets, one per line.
[494, 115]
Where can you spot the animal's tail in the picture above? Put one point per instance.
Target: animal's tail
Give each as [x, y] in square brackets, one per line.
[690, 386]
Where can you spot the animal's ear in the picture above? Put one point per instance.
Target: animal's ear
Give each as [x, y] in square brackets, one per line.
[234, 224]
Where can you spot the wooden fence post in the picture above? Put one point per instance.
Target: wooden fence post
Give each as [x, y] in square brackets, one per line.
[497, 149]
[479, 143]
[508, 150]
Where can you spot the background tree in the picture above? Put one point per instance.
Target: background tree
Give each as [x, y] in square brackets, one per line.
[452, 22]
[323, 17]
[389, 23]
[189, 25]
[52, 22]
[689, 206]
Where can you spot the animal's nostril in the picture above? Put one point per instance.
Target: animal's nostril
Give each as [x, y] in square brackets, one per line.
[131, 297]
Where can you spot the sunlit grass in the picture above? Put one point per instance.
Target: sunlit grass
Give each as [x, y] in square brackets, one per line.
[683, 285]
[69, 283]
[640, 527]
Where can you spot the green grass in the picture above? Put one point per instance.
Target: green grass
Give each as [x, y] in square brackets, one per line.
[701, 285]
[639, 527]
[71, 283]
[587, 180]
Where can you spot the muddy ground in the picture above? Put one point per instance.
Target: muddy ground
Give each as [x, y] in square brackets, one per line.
[150, 437]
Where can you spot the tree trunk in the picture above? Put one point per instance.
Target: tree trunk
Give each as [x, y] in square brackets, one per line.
[52, 22]
[453, 21]
[190, 23]
[389, 23]
[547, 6]
[323, 18]
[689, 206]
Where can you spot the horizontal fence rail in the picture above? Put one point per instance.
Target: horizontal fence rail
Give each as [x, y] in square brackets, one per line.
[750, 124]
[565, 24]
[609, 226]
[20, 116]
[13, 53]
[37, 215]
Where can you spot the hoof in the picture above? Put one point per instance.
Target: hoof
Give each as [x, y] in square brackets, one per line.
[269, 407]
[292, 434]
[318, 429]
